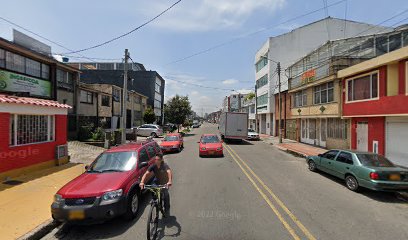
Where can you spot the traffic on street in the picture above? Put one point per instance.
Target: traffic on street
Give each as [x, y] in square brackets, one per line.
[266, 195]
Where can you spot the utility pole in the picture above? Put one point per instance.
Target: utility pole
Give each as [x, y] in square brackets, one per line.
[280, 103]
[124, 96]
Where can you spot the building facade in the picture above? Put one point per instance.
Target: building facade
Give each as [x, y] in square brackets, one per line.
[248, 106]
[147, 83]
[287, 49]
[375, 100]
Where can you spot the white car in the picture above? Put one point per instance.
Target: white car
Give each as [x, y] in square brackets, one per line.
[149, 130]
[252, 135]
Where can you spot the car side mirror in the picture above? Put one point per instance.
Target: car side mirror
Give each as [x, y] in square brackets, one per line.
[86, 167]
[143, 164]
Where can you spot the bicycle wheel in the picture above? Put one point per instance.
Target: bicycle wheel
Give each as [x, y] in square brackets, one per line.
[152, 222]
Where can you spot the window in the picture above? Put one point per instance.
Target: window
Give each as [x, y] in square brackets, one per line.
[395, 42]
[105, 101]
[15, 62]
[300, 99]
[323, 93]
[116, 94]
[261, 64]
[33, 68]
[262, 81]
[86, 97]
[152, 152]
[345, 158]
[262, 100]
[2, 58]
[45, 71]
[143, 156]
[331, 155]
[138, 99]
[29, 129]
[337, 128]
[362, 88]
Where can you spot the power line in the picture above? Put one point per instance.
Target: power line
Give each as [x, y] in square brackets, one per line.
[125, 34]
[45, 38]
[251, 34]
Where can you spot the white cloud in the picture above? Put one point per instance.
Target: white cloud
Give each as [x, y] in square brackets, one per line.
[205, 15]
[194, 93]
[229, 81]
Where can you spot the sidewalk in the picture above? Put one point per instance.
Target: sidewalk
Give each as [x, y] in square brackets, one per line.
[294, 147]
[26, 206]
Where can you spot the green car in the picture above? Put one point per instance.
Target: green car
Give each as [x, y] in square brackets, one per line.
[361, 169]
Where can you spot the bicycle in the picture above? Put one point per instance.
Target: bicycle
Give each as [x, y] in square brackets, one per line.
[156, 206]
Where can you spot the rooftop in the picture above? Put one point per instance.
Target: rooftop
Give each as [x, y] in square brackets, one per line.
[32, 101]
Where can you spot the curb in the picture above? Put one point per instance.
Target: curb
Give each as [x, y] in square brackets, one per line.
[41, 230]
[402, 196]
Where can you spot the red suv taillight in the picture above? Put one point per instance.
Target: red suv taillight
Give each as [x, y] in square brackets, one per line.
[374, 176]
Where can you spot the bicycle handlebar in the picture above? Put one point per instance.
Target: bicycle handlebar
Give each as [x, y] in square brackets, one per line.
[156, 186]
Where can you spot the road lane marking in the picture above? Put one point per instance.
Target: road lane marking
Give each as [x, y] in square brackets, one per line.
[274, 209]
[280, 203]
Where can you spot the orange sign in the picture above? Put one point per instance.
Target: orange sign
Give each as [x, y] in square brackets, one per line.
[308, 76]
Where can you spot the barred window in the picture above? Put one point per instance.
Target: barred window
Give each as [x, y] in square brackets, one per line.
[29, 129]
[337, 128]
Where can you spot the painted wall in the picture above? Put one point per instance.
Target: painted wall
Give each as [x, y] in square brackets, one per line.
[385, 105]
[12, 158]
[376, 132]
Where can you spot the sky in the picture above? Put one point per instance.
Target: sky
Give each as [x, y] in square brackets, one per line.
[192, 26]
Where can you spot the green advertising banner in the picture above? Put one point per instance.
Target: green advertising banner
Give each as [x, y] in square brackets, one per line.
[14, 82]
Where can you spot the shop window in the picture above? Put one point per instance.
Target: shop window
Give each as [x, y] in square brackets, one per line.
[323, 93]
[15, 62]
[105, 101]
[300, 99]
[2, 58]
[86, 97]
[29, 129]
[337, 128]
[33, 68]
[363, 88]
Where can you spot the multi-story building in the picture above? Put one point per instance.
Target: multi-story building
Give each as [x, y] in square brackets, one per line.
[147, 83]
[317, 91]
[375, 100]
[233, 102]
[33, 124]
[248, 106]
[100, 104]
[288, 48]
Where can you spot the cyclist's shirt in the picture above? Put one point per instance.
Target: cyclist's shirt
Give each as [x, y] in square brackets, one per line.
[160, 173]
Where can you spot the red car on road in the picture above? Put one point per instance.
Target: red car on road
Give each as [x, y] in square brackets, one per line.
[109, 187]
[172, 142]
[210, 145]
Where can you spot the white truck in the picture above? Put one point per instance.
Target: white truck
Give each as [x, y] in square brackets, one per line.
[233, 125]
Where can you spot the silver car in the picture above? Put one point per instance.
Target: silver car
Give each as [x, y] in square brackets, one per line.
[151, 130]
[252, 135]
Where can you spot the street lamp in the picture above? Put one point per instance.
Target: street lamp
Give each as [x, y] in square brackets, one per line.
[278, 69]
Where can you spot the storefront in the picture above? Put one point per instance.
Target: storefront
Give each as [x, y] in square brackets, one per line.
[33, 134]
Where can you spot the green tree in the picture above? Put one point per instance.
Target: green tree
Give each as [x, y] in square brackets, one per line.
[149, 116]
[250, 96]
[177, 110]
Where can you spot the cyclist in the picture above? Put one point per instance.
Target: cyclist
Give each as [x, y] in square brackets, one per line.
[162, 176]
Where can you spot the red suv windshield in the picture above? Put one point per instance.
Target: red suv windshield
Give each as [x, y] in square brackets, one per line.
[114, 162]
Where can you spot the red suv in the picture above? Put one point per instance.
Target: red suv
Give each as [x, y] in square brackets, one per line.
[109, 187]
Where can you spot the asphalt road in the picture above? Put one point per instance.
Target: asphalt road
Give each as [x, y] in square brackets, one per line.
[256, 192]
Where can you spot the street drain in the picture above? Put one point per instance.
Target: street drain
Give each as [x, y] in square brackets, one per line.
[13, 182]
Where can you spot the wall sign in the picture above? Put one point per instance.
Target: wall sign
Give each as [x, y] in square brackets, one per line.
[14, 82]
[308, 76]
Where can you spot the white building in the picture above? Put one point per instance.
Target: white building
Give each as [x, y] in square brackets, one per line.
[287, 49]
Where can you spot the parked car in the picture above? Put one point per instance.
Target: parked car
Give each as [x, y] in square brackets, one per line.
[210, 145]
[109, 187]
[172, 142]
[151, 130]
[196, 125]
[252, 135]
[361, 169]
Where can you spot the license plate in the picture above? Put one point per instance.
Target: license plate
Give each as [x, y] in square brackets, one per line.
[395, 177]
[76, 215]
[211, 152]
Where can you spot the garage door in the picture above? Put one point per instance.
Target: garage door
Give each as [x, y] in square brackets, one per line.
[397, 142]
